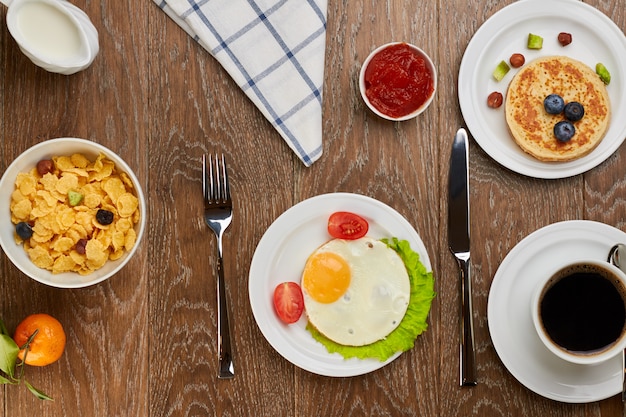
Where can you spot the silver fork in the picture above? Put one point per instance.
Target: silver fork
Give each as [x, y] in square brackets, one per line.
[218, 213]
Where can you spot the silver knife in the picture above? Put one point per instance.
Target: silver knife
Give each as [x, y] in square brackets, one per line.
[459, 244]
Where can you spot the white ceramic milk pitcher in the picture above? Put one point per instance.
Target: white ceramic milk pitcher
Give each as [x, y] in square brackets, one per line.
[54, 34]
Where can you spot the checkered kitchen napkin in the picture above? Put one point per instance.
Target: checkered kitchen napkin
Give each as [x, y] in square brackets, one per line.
[274, 50]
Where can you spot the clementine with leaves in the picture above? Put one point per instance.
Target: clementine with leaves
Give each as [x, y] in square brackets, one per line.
[41, 339]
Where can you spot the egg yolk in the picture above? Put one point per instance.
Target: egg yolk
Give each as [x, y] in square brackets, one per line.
[326, 277]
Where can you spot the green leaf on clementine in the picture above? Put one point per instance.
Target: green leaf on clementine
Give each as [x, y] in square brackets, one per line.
[8, 354]
[39, 394]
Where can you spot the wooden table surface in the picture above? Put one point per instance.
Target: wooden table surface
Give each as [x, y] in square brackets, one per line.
[143, 343]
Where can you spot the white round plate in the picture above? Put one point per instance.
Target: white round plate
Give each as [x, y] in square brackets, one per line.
[281, 255]
[595, 38]
[509, 313]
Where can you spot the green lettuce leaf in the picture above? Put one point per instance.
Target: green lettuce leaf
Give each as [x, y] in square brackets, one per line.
[412, 325]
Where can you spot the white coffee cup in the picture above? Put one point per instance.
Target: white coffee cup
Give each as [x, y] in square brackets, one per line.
[54, 34]
[579, 311]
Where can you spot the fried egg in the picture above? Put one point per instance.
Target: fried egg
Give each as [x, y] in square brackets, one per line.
[356, 292]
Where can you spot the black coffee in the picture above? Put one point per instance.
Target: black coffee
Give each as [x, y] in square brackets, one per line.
[584, 311]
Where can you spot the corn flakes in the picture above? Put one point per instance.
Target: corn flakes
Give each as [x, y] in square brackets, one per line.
[79, 160]
[67, 237]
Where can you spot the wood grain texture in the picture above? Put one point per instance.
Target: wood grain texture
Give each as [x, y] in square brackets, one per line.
[144, 342]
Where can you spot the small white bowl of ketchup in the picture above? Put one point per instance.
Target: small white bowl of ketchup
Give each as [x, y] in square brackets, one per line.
[398, 81]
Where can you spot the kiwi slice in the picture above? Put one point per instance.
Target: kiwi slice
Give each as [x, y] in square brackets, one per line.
[603, 73]
[501, 70]
[534, 41]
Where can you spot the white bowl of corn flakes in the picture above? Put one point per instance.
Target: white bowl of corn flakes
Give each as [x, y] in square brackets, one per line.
[75, 213]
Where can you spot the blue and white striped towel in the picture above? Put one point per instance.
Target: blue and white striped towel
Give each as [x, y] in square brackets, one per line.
[274, 50]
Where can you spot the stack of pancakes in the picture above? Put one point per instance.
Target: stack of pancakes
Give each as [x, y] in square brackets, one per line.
[532, 127]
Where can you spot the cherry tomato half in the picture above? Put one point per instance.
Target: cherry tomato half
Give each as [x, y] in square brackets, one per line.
[288, 302]
[346, 225]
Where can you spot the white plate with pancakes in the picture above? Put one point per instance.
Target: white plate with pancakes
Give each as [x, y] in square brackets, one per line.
[281, 255]
[509, 313]
[595, 38]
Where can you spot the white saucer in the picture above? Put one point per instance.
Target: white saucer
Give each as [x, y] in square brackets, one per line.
[595, 38]
[280, 256]
[509, 313]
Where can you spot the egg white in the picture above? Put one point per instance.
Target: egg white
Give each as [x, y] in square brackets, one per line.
[375, 301]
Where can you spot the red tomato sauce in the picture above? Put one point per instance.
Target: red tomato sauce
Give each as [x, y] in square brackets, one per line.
[398, 81]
